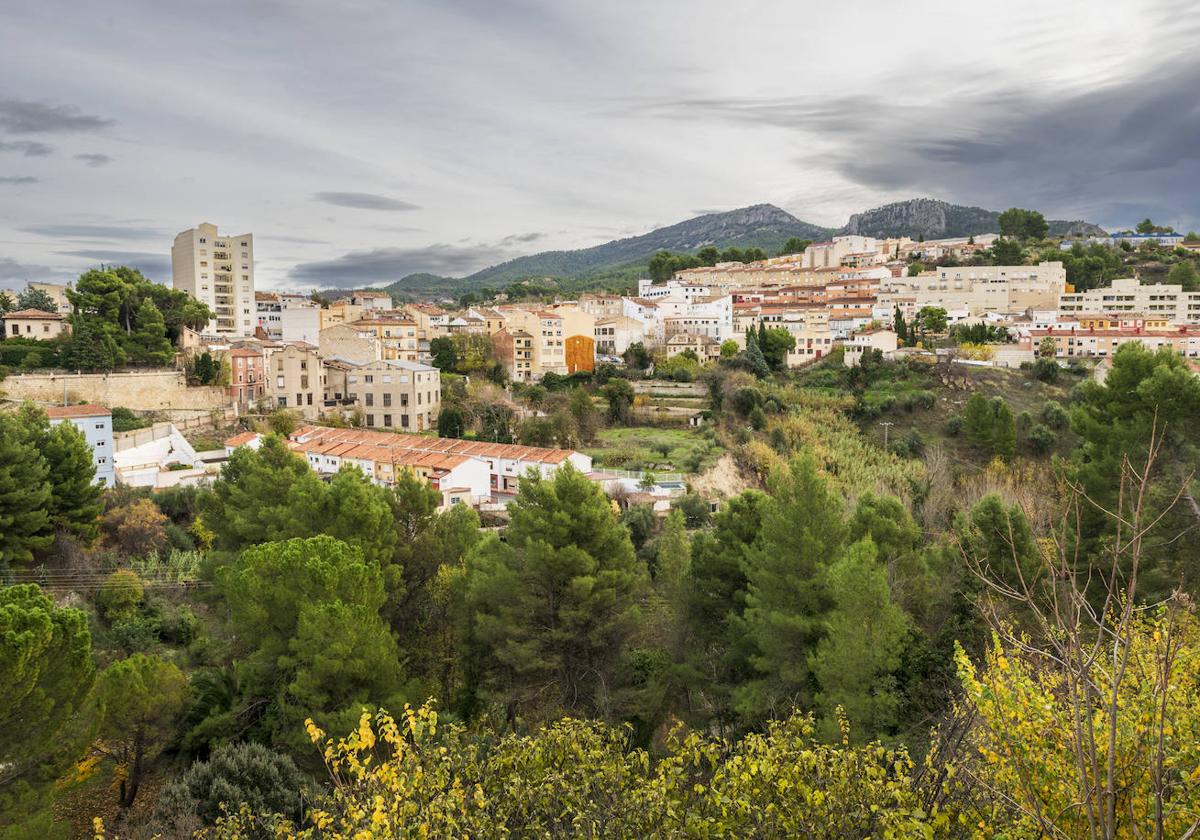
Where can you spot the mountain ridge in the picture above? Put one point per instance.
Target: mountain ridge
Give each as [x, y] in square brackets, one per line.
[621, 261]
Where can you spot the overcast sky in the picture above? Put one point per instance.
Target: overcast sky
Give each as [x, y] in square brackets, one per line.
[361, 141]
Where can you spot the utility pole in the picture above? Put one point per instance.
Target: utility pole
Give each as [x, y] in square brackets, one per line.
[887, 425]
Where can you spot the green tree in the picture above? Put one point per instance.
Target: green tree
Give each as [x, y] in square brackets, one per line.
[674, 556]
[775, 346]
[25, 495]
[637, 356]
[148, 343]
[120, 595]
[787, 597]
[46, 674]
[915, 268]
[618, 393]
[271, 494]
[900, 326]
[553, 606]
[1007, 252]
[90, 348]
[729, 348]
[1184, 274]
[7, 304]
[931, 319]
[33, 298]
[308, 610]
[794, 245]
[142, 697]
[451, 422]
[1146, 396]
[445, 357]
[75, 498]
[754, 356]
[583, 412]
[855, 664]
[1016, 223]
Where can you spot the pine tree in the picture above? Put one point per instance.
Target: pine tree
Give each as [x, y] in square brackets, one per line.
[24, 495]
[90, 348]
[787, 599]
[75, 503]
[855, 664]
[148, 343]
[553, 606]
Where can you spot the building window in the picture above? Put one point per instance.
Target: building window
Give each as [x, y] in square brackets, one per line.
[387, 401]
[299, 399]
[403, 400]
[370, 399]
[102, 460]
[404, 420]
[387, 420]
[99, 425]
[368, 379]
[283, 402]
[370, 419]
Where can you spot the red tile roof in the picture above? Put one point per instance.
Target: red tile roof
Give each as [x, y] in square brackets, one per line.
[55, 412]
[33, 314]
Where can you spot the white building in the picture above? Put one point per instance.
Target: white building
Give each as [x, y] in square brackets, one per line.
[884, 341]
[649, 290]
[833, 253]
[976, 289]
[1130, 296]
[95, 421]
[219, 271]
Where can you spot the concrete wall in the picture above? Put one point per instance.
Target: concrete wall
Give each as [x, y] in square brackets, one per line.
[148, 390]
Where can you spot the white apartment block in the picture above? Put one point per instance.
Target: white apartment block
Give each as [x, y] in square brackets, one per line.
[95, 422]
[649, 290]
[834, 253]
[288, 317]
[977, 289]
[1129, 295]
[219, 271]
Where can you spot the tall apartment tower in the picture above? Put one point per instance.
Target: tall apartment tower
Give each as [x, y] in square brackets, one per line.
[218, 270]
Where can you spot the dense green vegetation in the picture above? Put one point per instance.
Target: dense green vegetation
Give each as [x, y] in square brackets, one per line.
[873, 625]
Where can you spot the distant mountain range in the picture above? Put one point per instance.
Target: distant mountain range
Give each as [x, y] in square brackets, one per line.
[618, 263]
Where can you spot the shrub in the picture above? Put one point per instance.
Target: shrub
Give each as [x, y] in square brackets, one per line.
[120, 595]
[267, 781]
[1024, 421]
[133, 633]
[178, 626]
[138, 528]
[1046, 370]
[1055, 416]
[1042, 438]
[954, 425]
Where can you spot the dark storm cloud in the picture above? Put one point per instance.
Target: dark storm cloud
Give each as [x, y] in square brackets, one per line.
[1108, 149]
[94, 159]
[13, 273]
[522, 238]
[29, 148]
[364, 201]
[153, 265]
[19, 116]
[17, 179]
[94, 232]
[385, 265]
